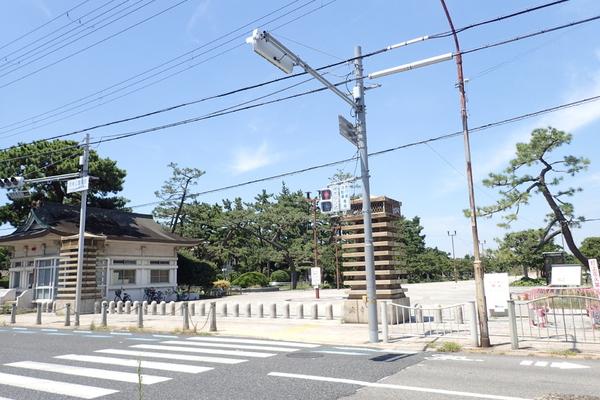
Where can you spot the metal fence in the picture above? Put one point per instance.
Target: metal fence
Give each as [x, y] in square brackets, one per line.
[453, 321]
[564, 318]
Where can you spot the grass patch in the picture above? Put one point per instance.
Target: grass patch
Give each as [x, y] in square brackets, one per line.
[449, 347]
[564, 353]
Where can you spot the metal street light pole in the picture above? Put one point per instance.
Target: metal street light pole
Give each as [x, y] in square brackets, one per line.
[82, 215]
[484, 336]
[453, 256]
[283, 58]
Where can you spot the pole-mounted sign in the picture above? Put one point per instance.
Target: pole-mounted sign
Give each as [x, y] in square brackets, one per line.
[78, 185]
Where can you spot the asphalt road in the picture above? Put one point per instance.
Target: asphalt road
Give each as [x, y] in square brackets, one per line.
[50, 364]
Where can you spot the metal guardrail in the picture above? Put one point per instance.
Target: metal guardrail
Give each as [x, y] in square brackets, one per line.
[564, 318]
[457, 320]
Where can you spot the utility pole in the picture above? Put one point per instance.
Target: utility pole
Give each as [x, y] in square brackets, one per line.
[453, 256]
[484, 336]
[363, 153]
[316, 241]
[82, 215]
[483, 248]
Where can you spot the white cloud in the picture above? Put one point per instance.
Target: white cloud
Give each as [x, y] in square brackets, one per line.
[198, 15]
[247, 159]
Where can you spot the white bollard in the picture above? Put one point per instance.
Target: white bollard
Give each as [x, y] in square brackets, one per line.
[111, 307]
[261, 311]
[300, 311]
[163, 308]
[329, 311]
[224, 309]
[128, 307]
[286, 310]
[136, 306]
[145, 306]
[172, 308]
[120, 307]
[315, 311]
[273, 312]
[202, 309]
[236, 310]
[193, 309]
[248, 310]
[153, 307]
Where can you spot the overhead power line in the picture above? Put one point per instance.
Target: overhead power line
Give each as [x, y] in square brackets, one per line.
[160, 69]
[23, 36]
[92, 45]
[397, 148]
[34, 120]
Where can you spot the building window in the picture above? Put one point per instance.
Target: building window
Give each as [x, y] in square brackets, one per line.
[16, 280]
[17, 264]
[160, 262]
[123, 276]
[159, 276]
[46, 277]
[124, 262]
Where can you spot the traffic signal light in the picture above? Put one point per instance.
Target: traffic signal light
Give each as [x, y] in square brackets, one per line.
[12, 182]
[325, 203]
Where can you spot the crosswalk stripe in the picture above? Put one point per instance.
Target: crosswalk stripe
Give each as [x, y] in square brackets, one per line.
[230, 346]
[54, 387]
[188, 369]
[206, 351]
[171, 356]
[89, 372]
[253, 341]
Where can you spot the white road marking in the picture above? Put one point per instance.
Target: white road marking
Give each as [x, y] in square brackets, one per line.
[19, 329]
[54, 387]
[230, 346]
[342, 353]
[378, 350]
[252, 341]
[98, 336]
[121, 333]
[205, 351]
[4, 398]
[171, 356]
[59, 334]
[49, 330]
[89, 372]
[142, 339]
[188, 369]
[448, 357]
[80, 331]
[167, 336]
[396, 387]
[559, 365]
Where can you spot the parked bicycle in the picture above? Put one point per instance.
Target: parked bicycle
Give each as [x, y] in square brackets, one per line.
[120, 295]
[151, 294]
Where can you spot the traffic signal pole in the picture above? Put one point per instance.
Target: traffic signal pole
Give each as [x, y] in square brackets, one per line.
[82, 215]
[363, 153]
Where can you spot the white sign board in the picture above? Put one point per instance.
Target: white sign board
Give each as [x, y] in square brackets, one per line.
[78, 185]
[340, 197]
[497, 292]
[566, 275]
[315, 276]
[593, 263]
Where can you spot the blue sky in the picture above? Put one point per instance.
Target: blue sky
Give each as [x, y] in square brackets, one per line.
[505, 81]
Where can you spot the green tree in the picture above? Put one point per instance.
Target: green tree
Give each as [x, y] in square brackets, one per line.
[522, 250]
[590, 247]
[174, 193]
[48, 158]
[194, 272]
[534, 171]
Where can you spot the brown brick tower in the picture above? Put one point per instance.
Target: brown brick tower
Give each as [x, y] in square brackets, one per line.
[385, 214]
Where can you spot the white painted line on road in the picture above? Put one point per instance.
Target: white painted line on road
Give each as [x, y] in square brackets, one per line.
[342, 353]
[395, 387]
[16, 328]
[559, 365]
[230, 346]
[80, 331]
[252, 341]
[171, 356]
[49, 330]
[448, 357]
[167, 336]
[378, 350]
[54, 387]
[89, 372]
[142, 339]
[4, 398]
[121, 333]
[98, 336]
[205, 351]
[188, 369]
[59, 334]
[28, 332]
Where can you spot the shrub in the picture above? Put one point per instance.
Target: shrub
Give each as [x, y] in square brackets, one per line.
[194, 272]
[4, 282]
[280, 276]
[529, 282]
[449, 347]
[222, 284]
[251, 279]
